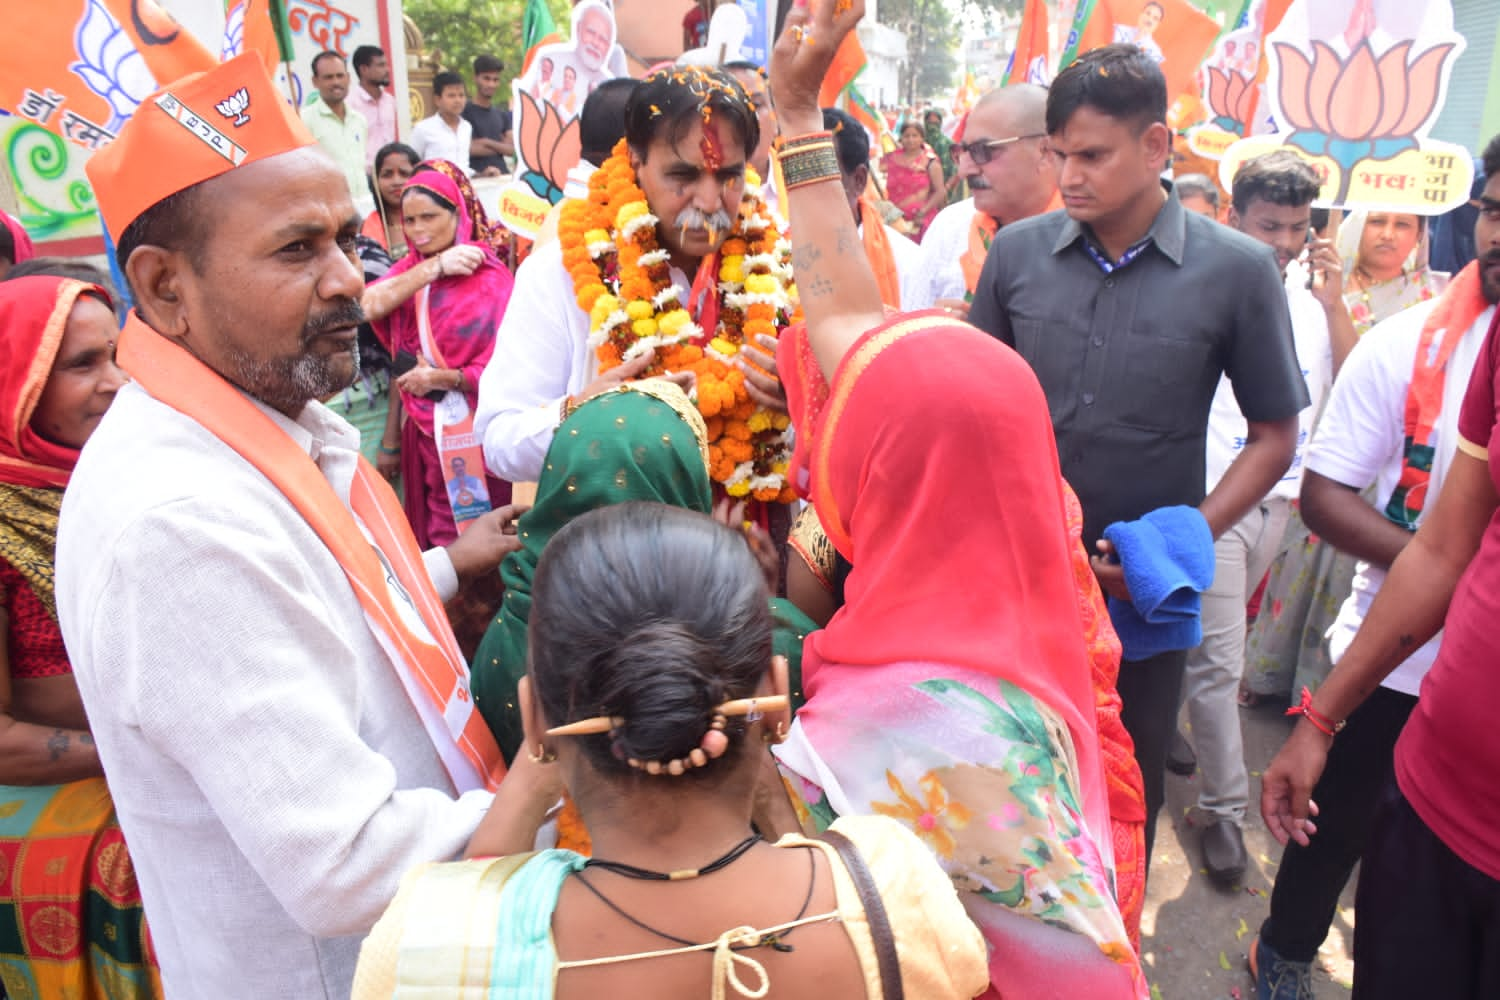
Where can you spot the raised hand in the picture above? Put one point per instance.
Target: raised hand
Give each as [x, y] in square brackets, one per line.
[813, 31]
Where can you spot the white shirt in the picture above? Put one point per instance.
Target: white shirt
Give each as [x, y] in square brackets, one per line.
[938, 272]
[907, 256]
[434, 140]
[272, 778]
[1227, 429]
[1362, 440]
[542, 355]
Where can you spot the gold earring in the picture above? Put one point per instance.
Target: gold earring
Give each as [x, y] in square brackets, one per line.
[544, 757]
[769, 738]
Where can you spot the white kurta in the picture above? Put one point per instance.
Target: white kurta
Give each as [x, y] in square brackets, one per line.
[939, 275]
[542, 355]
[272, 778]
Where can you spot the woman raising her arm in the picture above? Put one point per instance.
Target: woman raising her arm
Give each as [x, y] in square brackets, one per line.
[952, 691]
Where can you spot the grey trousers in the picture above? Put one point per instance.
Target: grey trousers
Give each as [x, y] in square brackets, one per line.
[1210, 687]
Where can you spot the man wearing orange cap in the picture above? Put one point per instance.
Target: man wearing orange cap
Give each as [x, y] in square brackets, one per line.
[261, 647]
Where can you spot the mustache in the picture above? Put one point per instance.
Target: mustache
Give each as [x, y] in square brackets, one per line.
[347, 313]
[1490, 257]
[693, 218]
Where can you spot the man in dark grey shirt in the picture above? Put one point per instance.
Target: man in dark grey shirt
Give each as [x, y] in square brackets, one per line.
[1129, 308]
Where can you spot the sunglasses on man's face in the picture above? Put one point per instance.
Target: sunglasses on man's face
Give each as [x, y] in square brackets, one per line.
[982, 151]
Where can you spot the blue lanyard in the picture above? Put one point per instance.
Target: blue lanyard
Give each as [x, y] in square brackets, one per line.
[1110, 267]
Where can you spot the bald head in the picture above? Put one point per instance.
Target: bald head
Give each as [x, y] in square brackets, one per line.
[1022, 106]
[1007, 129]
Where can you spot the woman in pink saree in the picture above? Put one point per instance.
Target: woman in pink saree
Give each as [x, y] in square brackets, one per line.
[453, 272]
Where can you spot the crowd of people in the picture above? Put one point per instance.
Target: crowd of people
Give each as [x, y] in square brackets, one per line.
[840, 646]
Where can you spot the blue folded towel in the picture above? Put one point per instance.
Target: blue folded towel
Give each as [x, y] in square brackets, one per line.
[1168, 558]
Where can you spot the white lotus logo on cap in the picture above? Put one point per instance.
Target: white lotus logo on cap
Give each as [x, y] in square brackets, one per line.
[234, 107]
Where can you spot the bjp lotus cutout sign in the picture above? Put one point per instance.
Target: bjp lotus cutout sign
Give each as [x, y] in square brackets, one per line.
[1356, 86]
[545, 103]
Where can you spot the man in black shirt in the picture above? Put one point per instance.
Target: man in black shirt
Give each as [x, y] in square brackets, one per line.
[1129, 308]
[492, 141]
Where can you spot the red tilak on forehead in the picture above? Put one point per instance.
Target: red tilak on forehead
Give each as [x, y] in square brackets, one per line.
[710, 145]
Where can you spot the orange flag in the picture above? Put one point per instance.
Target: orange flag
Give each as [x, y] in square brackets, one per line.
[80, 67]
[1031, 61]
[1275, 10]
[1173, 32]
[266, 31]
[847, 62]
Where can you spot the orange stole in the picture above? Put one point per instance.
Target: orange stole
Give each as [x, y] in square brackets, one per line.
[981, 233]
[878, 249]
[436, 676]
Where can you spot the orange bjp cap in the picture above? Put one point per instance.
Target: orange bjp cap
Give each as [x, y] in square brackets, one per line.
[190, 131]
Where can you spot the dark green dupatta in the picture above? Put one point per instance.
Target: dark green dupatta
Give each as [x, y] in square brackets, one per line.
[644, 441]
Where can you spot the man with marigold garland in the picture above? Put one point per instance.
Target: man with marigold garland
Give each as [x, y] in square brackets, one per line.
[666, 269]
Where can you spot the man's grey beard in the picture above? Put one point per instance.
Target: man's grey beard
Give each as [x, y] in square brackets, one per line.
[287, 384]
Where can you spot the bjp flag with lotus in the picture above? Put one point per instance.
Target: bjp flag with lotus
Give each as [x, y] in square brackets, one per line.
[81, 67]
[1174, 33]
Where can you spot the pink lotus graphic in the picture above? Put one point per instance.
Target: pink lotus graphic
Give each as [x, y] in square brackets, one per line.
[1359, 108]
[548, 146]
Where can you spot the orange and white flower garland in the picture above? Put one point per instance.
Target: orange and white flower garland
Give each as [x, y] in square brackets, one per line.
[622, 279]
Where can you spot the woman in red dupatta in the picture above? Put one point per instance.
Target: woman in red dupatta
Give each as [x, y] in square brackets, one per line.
[469, 289]
[67, 887]
[953, 690]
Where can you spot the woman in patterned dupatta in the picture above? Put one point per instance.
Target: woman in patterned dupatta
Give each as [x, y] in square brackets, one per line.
[70, 913]
[952, 691]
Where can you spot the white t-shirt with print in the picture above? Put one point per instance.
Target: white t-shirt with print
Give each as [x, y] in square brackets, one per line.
[1362, 438]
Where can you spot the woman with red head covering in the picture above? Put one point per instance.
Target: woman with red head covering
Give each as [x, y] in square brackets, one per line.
[953, 691]
[74, 900]
[453, 284]
[15, 244]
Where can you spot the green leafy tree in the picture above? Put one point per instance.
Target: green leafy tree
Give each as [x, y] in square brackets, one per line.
[932, 35]
[461, 29]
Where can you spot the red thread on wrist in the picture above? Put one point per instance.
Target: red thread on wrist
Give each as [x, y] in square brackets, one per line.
[1321, 722]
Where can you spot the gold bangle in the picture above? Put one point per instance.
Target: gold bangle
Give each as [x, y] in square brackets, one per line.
[784, 144]
[809, 165]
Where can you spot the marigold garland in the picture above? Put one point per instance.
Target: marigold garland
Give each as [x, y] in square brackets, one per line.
[622, 279]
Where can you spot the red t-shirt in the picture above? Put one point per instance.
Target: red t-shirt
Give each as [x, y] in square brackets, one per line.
[1449, 754]
[695, 27]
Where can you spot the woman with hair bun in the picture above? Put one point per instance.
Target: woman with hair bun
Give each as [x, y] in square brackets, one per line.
[651, 694]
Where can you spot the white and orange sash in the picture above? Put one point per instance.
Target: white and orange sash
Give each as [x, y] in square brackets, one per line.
[373, 543]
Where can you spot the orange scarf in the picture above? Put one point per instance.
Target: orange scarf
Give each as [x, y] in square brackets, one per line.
[878, 250]
[379, 566]
[981, 233]
[1455, 312]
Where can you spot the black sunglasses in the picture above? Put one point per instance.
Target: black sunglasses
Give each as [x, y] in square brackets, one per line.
[983, 150]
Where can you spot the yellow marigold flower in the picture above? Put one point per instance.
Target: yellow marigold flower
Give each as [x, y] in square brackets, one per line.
[596, 236]
[631, 210]
[732, 270]
[644, 327]
[640, 309]
[672, 323]
[739, 489]
[724, 346]
[779, 469]
[781, 422]
[761, 284]
[759, 421]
